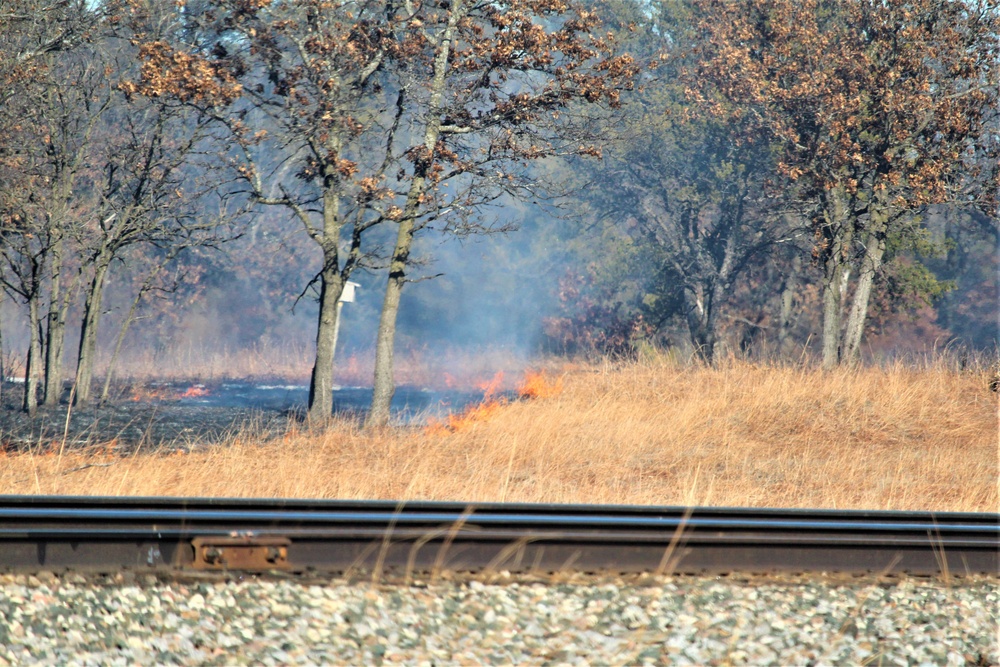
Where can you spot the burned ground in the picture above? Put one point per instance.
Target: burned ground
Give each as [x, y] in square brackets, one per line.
[186, 416]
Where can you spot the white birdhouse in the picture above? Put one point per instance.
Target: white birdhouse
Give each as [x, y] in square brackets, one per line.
[347, 296]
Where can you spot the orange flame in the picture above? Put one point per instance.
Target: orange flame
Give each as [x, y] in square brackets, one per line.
[106, 450]
[491, 387]
[146, 394]
[474, 414]
[536, 384]
[195, 391]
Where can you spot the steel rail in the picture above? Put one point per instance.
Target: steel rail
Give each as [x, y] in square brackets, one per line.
[216, 534]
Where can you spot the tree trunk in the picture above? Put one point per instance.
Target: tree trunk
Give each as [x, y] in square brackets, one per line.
[88, 334]
[55, 332]
[701, 322]
[787, 300]
[836, 271]
[833, 279]
[874, 251]
[321, 383]
[120, 338]
[34, 362]
[3, 368]
[384, 382]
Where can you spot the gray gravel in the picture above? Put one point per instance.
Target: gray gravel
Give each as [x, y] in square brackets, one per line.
[72, 620]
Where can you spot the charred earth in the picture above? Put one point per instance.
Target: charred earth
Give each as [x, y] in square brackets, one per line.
[186, 416]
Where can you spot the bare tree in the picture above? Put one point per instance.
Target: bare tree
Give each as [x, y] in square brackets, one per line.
[53, 97]
[148, 182]
[22, 277]
[86, 173]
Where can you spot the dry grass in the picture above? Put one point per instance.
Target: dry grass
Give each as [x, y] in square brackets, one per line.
[441, 368]
[646, 433]
[185, 362]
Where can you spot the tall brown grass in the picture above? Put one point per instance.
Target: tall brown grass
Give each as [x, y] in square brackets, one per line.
[653, 432]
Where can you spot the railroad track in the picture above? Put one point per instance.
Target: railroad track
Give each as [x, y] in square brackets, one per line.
[299, 536]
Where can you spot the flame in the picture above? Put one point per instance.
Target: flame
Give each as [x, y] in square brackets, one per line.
[491, 387]
[145, 394]
[474, 414]
[536, 384]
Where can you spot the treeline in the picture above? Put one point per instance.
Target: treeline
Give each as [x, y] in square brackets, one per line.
[847, 149]
[776, 167]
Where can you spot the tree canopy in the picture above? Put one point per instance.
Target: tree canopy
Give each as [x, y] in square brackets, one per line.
[701, 174]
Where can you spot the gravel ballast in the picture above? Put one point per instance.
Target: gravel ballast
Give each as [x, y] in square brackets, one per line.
[75, 620]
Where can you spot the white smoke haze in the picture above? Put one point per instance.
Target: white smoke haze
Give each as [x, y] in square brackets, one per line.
[476, 307]
[244, 311]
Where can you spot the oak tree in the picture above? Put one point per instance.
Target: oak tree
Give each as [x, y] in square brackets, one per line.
[699, 193]
[296, 92]
[876, 110]
[85, 172]
[147, 184]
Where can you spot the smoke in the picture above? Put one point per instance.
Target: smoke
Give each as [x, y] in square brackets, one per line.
[473, 297]
[477, 304]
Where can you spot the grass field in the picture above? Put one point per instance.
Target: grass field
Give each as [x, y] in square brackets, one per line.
[651, 432]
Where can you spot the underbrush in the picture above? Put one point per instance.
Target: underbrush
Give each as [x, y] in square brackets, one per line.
[651, 433]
